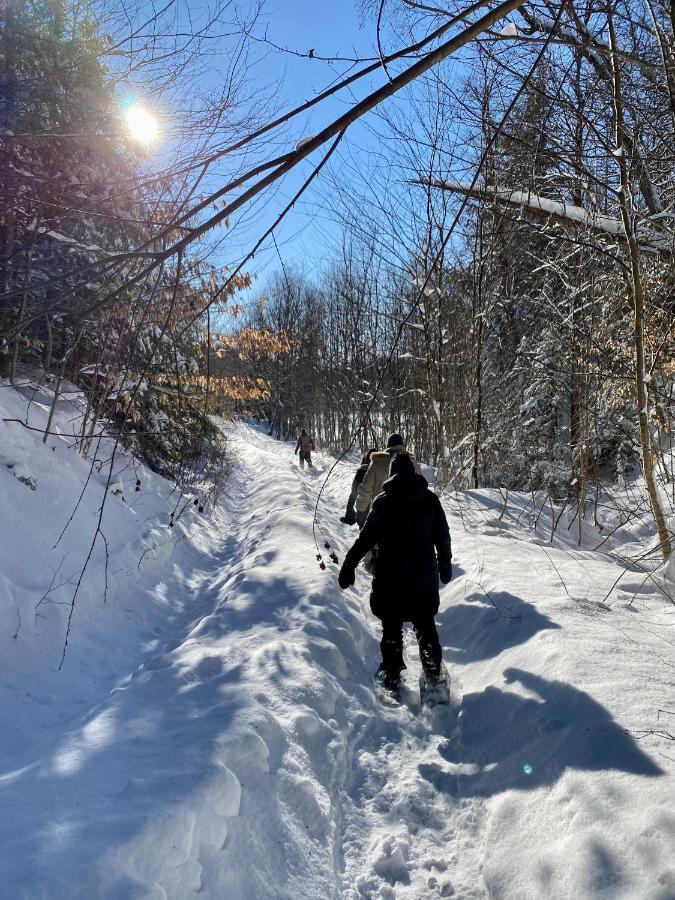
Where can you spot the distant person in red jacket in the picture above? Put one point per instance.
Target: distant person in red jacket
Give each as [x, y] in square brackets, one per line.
[305, 445]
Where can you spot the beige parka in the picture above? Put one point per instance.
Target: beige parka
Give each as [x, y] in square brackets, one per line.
[375, 477]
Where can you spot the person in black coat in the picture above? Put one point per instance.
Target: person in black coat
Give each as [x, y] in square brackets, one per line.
[408, 525]
[350, 515]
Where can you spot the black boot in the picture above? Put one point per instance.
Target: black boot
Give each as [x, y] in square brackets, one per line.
[391, 647]
[389, 679]
[431, 654]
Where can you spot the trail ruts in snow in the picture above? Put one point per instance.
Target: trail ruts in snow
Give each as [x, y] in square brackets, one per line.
[242, 752]
[395, 827]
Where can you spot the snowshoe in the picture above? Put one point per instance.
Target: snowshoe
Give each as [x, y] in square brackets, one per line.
[435, 689]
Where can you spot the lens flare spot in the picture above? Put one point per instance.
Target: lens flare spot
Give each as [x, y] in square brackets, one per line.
[141, 124]
[528, 769]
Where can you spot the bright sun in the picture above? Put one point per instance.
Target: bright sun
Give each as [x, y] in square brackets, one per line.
[142, 125]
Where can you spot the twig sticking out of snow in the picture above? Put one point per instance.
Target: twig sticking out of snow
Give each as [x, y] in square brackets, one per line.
[21, 472]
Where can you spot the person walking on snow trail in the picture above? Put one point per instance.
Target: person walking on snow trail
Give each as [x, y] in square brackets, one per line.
[304, 445]
[371, 486]
[408, 524]
[349, 517]
[376, 475]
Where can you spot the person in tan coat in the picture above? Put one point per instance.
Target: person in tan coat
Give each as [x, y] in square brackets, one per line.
[377, 474]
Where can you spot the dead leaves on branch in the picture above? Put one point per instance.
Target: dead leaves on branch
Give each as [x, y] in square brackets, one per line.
[252, 343]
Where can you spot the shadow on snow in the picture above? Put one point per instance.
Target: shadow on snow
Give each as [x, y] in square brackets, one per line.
[476, 630]
[522, 743]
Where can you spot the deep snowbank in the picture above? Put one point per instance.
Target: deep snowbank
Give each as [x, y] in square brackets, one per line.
[50, 499]
[215, 730]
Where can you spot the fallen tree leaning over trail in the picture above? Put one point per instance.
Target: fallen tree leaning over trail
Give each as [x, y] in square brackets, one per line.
[652, 237]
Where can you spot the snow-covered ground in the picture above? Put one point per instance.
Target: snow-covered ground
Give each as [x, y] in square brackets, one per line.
[214, 729]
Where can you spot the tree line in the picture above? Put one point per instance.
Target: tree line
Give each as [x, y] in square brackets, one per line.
[506, 298]
[503, 292]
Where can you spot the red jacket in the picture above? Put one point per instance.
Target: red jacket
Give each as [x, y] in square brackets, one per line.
[305, 443]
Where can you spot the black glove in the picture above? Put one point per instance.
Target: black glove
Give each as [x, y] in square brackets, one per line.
[296, 452]
[347, 576]
[445, 573]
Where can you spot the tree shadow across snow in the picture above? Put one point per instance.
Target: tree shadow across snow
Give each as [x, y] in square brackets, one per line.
[477, 629]
[521, 743]
[124, 765]
[158, 744]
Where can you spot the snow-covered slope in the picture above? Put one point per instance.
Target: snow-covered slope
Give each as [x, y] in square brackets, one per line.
[224, 739]
[50, 499]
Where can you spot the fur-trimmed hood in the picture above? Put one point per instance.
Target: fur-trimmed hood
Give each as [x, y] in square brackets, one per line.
[387, 454]
[383, 455]
[377, 474]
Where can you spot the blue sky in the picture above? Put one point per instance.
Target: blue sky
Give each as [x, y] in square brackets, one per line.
[309, 237]
[330, 28]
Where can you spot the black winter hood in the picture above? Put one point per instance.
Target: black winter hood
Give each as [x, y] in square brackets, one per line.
[406, 486]
[402, 464]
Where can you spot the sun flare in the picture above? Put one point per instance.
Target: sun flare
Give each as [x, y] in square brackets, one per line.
[141, 124]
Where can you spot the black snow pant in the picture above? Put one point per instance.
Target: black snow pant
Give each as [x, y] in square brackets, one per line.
[305, 457]
[350, 515]
[391, 645]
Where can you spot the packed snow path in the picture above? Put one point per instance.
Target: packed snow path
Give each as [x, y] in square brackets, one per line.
[244, 754]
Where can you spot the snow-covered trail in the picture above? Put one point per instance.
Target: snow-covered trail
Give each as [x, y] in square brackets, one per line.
[245, 754]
